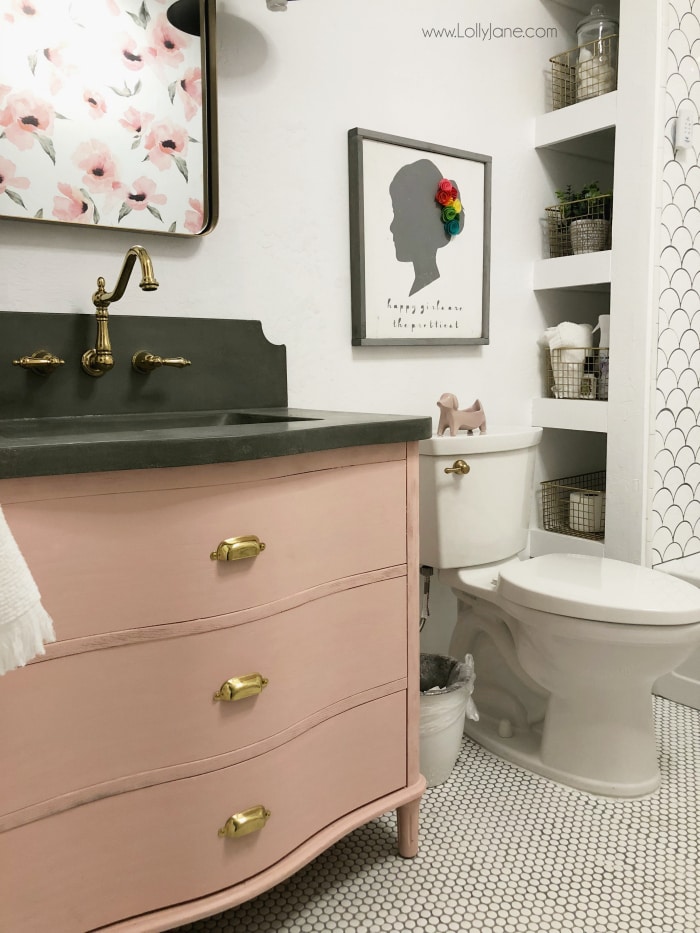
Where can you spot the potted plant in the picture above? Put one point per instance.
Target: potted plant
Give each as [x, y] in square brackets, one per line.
[586, 214]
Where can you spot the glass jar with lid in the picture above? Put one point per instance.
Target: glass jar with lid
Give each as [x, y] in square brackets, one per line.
[596, 69]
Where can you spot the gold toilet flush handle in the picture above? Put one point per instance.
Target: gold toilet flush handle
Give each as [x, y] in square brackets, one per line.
[41, 361]
[239, 548]
[242, 824]
[459, 466]
[238, 688]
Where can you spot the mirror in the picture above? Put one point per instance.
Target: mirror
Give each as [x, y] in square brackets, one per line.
[107, 113]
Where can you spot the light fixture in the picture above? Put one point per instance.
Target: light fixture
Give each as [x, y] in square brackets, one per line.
[184, 15]
[277, 6]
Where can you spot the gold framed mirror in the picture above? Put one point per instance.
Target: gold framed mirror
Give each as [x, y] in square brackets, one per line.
[108, 114]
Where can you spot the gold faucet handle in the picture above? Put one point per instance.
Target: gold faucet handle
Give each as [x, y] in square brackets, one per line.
[145, 362]
[41, 362]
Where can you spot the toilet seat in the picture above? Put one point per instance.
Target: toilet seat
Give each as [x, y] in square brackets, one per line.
[599, 589]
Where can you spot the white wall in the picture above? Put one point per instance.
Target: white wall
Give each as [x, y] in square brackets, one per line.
[290, 86]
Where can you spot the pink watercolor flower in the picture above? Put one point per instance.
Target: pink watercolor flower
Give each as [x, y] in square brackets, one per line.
[26, 7]
[8, 179]
[59, 68]
[23, 115]
[131, 56]
[189, 90]
[168, 42]
[142, 193]
[113, 7]
[95, 159]
[96, 104]
[194, 219]
[74, 206]
[165, 141]
[136, 121]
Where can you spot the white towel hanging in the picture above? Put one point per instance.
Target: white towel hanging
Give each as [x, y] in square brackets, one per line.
[25, 626]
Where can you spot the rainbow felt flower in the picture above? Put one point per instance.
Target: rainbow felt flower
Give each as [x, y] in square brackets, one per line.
[447, 198]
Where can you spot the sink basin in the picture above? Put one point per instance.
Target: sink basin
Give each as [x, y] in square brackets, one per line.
[108, 425]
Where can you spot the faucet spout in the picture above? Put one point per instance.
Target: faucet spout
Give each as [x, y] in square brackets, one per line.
[99, 360]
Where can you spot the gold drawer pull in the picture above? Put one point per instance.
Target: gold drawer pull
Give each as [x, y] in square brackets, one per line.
[238, 548]
[238, 688]
[249, 821]
[459, 466]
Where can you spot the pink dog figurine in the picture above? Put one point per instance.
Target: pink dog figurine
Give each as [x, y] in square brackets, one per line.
[453, 419]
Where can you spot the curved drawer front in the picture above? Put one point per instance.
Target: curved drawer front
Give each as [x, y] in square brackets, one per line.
[109, 562]
[165, 837]
[150, 705]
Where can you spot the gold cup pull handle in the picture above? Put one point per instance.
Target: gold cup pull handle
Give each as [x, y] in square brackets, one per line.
[460, 467]
[238, 688]
[238, 548]
[249, 821]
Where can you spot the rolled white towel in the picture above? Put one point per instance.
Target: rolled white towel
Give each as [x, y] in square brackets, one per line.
[25, 626]
[572, 341]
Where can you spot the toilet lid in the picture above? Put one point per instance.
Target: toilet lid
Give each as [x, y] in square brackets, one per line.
[599, 589]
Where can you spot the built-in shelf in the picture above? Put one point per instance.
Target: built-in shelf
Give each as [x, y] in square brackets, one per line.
[570, 414]
[549, 542]
[587, 271]
[585, 119]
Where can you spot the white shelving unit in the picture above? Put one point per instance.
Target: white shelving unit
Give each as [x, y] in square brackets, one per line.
[620, 136]
[584, 130]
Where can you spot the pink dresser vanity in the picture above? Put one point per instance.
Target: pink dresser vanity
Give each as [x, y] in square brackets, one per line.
[204, 726]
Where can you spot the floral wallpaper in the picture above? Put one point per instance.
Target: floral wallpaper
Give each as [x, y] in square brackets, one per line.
[101, 115]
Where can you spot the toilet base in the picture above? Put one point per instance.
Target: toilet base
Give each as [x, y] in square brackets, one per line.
[523, 749]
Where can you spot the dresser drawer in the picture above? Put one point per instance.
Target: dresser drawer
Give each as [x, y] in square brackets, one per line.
[109, 562]
[128, 854]
[146, 706]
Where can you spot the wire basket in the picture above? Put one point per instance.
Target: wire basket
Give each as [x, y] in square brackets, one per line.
[582, 226]
[587, 71]
[575, 505]
[578, 372]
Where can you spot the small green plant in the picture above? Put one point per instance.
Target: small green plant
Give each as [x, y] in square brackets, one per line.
[574, 204]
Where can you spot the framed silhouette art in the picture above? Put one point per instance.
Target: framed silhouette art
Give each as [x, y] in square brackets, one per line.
[419, 242]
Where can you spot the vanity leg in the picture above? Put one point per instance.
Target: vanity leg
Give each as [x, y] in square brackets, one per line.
[407, 819]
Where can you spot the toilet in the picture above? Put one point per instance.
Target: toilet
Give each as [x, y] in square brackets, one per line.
[566, 647]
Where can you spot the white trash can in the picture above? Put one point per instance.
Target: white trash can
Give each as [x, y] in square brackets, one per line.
[446, 687]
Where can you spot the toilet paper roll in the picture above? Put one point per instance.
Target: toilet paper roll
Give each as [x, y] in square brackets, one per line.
[586, 511]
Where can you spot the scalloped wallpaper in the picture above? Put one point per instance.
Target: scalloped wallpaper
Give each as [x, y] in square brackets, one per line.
[676, 490]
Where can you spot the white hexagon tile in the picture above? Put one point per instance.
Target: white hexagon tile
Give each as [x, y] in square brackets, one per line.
[676, 499]
[506, 851]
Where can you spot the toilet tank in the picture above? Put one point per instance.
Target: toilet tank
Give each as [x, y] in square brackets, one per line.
[484, 515]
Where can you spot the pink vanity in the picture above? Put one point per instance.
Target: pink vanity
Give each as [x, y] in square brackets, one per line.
[234, 685]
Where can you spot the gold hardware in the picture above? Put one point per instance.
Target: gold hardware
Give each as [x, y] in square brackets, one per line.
[238, 688]
[249, 821]
[459, 466]
[41, 362]
[145, 362]
[238, 548]
[98, 361]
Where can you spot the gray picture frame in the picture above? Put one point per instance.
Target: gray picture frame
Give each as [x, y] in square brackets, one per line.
[381, 315]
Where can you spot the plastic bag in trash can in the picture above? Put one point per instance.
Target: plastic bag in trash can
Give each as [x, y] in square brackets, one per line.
[446, 687]
[442, 676]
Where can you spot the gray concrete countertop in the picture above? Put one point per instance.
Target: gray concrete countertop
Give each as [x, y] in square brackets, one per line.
[52, 446]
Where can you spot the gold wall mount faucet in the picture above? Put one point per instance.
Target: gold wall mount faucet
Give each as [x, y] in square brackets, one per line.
[98, 360]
